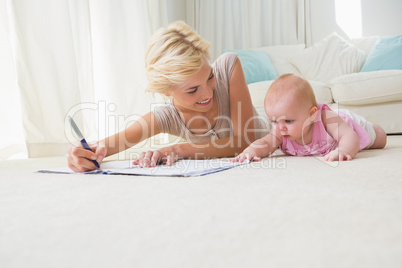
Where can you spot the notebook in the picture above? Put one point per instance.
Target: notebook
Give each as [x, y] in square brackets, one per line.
[181, 168]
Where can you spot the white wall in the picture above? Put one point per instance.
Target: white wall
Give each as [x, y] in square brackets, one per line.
[377, 18]
[382, 17]
[176, 10]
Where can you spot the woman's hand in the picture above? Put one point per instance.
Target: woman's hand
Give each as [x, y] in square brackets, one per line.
[81, 160]
[165, 155]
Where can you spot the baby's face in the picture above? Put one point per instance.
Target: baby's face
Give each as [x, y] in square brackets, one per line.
[290, 118]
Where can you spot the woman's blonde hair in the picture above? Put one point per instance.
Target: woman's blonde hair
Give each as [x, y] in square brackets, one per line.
[173, 55]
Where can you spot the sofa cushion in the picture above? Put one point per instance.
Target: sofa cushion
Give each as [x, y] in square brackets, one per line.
[331, 57]
[279, 56]
[386, 55]
[365, 43]
[256, 65]
[258, 90]
[368, 88]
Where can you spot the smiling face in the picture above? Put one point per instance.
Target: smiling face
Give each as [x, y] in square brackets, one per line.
[290, 105]
[197, 92]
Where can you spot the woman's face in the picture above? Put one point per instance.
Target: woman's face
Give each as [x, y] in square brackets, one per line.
[197, 92]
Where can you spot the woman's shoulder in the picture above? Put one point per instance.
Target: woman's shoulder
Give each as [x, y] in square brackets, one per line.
[223, 66]
[227, 56]
[165, 110]
[227, 59]
[167, 118]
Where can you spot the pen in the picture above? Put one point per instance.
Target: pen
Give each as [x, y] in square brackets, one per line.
[82, 140]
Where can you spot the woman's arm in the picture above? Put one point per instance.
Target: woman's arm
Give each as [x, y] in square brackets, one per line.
[347, 138]
[143, 128]
[241, 108]
[80, 160]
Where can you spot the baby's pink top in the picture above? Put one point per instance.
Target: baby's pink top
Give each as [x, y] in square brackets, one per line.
[322, 143]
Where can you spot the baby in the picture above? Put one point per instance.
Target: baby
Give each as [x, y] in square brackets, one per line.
[301, 127]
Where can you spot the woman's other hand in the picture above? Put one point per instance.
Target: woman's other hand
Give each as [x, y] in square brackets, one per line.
[165, 155]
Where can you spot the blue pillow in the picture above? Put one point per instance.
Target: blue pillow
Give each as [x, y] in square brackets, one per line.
[256, 65]
[385, 55]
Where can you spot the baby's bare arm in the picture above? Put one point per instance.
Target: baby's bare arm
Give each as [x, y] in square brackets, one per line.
[349, 142]
[260, 148]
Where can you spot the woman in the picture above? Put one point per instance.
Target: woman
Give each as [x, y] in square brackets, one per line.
[210, 106]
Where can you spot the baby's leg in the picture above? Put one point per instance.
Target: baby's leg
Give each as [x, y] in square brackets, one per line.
[381, 137]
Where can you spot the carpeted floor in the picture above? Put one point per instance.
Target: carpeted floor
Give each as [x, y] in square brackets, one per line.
[281, 212]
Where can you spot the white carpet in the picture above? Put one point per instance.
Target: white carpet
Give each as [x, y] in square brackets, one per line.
[282, 212]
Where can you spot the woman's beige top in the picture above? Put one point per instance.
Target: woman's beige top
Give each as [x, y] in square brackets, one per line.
[169, 120]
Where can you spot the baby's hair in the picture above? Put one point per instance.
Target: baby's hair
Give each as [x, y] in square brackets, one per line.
[290, 84]
[173, 55]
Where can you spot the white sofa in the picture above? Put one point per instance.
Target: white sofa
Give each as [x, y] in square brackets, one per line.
[333, 67]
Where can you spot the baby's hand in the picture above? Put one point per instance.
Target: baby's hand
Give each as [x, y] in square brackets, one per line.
[250, 155]
[337, 155]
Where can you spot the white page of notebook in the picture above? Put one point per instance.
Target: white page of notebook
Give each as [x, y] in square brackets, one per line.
[180, 168]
